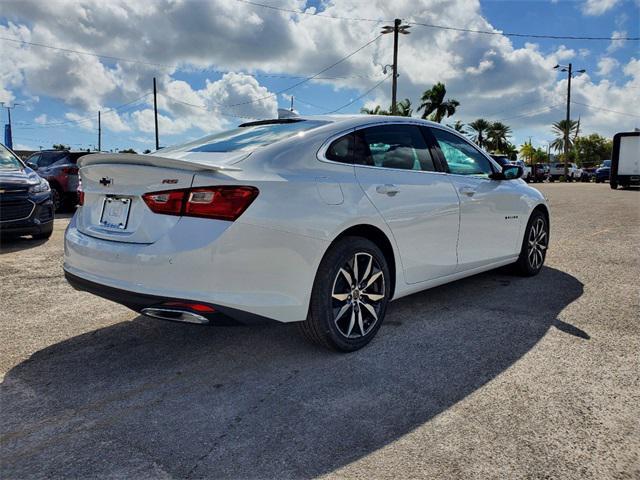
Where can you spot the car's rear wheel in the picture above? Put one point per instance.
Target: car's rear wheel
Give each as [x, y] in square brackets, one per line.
[349, 297]
[534, 245]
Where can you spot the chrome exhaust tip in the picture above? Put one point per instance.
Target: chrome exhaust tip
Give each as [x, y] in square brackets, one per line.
[175, 315]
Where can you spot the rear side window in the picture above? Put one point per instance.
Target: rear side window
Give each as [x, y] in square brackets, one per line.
[395, 146]
[73, 157]
[462, 157]
[49, 158]
[341, 150]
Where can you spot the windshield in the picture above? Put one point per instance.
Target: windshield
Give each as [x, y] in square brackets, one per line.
[8, 161]
[247, 138]
[606, 163]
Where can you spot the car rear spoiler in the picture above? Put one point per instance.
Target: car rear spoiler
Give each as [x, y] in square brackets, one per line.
[196, 162]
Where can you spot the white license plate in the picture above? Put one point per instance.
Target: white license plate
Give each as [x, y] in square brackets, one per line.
[115, 212]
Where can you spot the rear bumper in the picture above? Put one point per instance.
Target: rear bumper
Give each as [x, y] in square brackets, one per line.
[140, 301]
[238, 268]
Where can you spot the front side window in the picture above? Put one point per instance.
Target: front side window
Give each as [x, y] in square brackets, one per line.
[394, 146]
[461, 156]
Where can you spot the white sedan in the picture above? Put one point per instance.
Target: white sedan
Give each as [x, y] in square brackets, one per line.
[317, 220]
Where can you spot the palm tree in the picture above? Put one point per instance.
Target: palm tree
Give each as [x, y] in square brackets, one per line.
[480, 126]
[527, 151]
[433, 102]
[374, 111]
[497, 134]
[458, 126]
[403, 108]
[564, 130]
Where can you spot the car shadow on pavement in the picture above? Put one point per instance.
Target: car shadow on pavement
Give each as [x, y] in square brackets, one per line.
[148, 398]
[16, 244]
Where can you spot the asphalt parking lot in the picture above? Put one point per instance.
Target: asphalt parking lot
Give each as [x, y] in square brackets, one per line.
[494, 376]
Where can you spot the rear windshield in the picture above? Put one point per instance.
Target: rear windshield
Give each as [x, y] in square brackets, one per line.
[247, 138]
[606, 163]
[8, 161]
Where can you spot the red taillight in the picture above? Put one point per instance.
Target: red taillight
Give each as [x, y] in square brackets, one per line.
[224, 203]
[70, 170]
[169, 202]
[196, 307]
[221, 202]
[80, 197]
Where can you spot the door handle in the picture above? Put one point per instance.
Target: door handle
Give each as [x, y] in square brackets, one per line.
[387, 189]
[468, 191]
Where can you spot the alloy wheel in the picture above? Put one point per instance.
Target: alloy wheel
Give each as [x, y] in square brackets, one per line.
[357, 294]
[537, 243]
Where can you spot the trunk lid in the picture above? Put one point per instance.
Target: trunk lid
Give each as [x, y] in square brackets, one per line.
[113, 186]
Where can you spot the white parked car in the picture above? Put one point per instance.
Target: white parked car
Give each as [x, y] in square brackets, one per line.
[556, 170]
[317, 220]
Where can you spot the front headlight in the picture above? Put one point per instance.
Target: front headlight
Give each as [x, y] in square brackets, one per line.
[41, 187]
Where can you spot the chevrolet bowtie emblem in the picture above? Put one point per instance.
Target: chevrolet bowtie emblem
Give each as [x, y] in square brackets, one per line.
[106, 181]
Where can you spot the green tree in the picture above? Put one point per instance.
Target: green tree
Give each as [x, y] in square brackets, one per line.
[527, 151]
[480, 127]
[560, 129]
[127, 150]
[497, 136]
[60, 146]
[403, 108]
[592, 149]
[458, 126]
[377, 110]
[433, 103]
[146, 151]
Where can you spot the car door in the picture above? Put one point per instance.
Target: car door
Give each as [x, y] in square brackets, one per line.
[491, 211]
[397, 170]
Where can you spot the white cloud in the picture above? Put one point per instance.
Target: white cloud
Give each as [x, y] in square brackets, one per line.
[606, 65]
[487, 74]
[40, 119]
[615, 43]
[598, 7]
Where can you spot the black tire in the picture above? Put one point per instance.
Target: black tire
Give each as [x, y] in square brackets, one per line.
[45, 234]
[329, 316]
[530, 263]
[551, 179]
[613, 185]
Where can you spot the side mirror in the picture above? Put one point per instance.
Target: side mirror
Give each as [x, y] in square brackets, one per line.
[32, 165]
[509, 172]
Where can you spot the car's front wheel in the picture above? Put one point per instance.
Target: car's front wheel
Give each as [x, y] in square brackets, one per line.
[349, 297]
[534, 245]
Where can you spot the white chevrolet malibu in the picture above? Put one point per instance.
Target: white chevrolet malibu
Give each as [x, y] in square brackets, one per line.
[316, 220]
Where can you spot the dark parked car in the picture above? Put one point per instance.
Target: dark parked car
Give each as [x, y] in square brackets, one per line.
[60, 168]
[26, 207]
[603, 171]
[588, 174]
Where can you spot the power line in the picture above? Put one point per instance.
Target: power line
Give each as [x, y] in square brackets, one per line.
[172, 66]
[605, 109]
[358, 98]
[531, 113]
[84, 119]
[433, 25]
[307, 79]
[203, 107]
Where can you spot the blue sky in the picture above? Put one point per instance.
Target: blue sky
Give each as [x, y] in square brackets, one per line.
[494, 77]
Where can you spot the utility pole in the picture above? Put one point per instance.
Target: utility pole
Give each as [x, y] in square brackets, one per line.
[99, 133]
[291, 103]
[396, 29]
[8, 133]
[155, 111]
[569, 70]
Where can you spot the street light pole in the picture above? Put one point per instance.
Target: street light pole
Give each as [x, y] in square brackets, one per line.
[155, 112]
[569, 70]
[9, 139]
[396, 29]
[99, 133]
